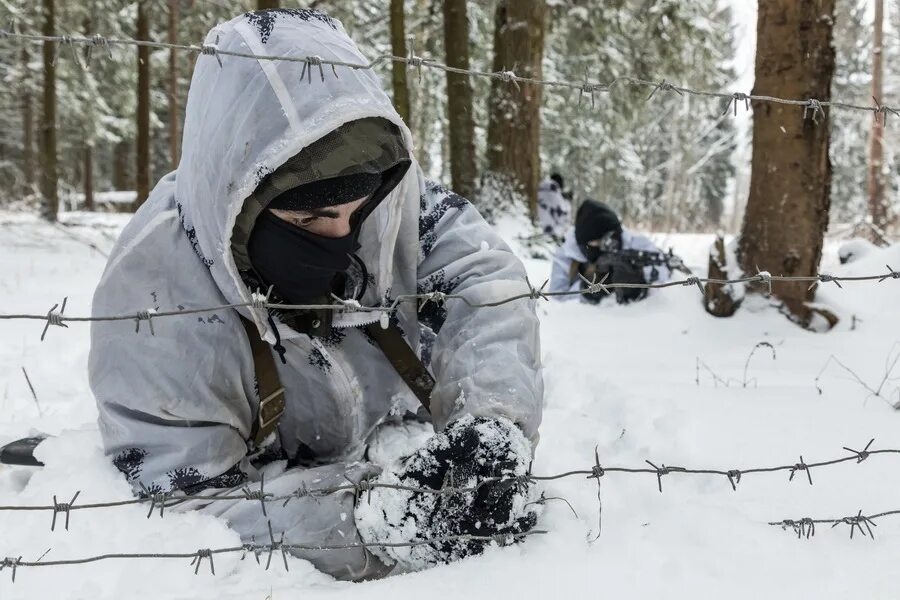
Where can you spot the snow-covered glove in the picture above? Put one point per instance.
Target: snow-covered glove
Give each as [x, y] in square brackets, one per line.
[470, 451]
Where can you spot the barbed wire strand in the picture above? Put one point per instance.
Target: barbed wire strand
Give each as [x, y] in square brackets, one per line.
[163, 500]
[282, 546]
[806, 527]
[365, 486]
[812, 108]
[59, 319]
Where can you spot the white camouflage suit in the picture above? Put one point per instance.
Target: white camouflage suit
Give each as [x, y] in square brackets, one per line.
[176, 407]
[569, 252]
[553, 209]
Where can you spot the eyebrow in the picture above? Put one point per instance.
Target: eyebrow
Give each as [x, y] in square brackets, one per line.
[328, 213]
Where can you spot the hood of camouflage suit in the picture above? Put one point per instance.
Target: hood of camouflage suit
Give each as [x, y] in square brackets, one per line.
[247, 117]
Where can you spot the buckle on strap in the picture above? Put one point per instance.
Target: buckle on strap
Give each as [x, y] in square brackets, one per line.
[270, 409]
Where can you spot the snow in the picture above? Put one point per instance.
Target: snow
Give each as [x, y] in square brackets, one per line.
[621, 379]
[117, 199]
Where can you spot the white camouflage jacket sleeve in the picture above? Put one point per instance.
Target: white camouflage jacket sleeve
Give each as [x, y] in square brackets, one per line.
[486, 361]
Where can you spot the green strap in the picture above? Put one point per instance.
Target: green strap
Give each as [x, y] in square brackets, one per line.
[404, 361]
[269, 388]
[271, 392]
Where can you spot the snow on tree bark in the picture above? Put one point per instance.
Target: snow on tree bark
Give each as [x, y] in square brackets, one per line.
[787, 211]
[460, 110]
[513, 151]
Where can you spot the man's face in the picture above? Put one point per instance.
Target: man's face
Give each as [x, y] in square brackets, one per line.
[330, 222]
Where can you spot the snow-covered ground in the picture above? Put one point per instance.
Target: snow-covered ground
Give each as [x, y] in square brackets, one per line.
[621, 379]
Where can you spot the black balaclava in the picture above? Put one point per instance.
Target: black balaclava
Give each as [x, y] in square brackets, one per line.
[303, 266]
[595, 221]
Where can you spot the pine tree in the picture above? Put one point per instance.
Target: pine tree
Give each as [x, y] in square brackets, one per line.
[664, 162]
[787, 212]
[513, 147]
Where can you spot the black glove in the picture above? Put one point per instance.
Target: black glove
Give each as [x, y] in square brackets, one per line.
[466, 454]
[628, 273]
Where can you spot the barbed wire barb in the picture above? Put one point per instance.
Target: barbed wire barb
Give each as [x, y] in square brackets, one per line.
[801, 466]
[156, 499]
[64, 507]
[55, 318]
[279, 545]
[11, 563]
[201, 554]
[857, 522]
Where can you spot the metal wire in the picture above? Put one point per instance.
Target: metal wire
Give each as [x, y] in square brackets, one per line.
[59, 319]
[595, 471]
[812, 108]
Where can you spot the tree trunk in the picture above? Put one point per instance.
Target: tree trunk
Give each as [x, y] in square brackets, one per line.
[174, 128]
[398, 48]
[88, 168]
[142, 155]
[461, 121]
[515, 121]
[878, 208]
[121, 177]
[719, 300]
[49, 182]
[28, 127]
[787, 211]
[264, 4]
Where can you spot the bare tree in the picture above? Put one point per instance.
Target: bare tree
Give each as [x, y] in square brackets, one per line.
[87, 162]
[49, 177]
[514, 126]
[27, 124]
[121, 176]
[142, 155]
[398, 72]
[174, 129]
[787, 211]
[461, 121]
[87, 168]
[878, 208]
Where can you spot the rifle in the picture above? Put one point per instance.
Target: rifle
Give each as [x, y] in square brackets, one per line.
[627, 266]
[635, 260]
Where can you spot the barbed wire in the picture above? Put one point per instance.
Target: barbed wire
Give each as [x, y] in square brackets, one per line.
[806, 527]
[163, 500]
[58, 318]
[813, 108]
[279, 545]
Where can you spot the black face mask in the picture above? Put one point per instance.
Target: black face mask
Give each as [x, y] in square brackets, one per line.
[301, 265]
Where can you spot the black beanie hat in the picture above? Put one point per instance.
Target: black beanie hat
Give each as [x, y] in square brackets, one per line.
[594, 220]
[328, 192]
[558, 179]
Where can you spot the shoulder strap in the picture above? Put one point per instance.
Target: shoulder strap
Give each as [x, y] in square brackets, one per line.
[269, 388]
[404, 361]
